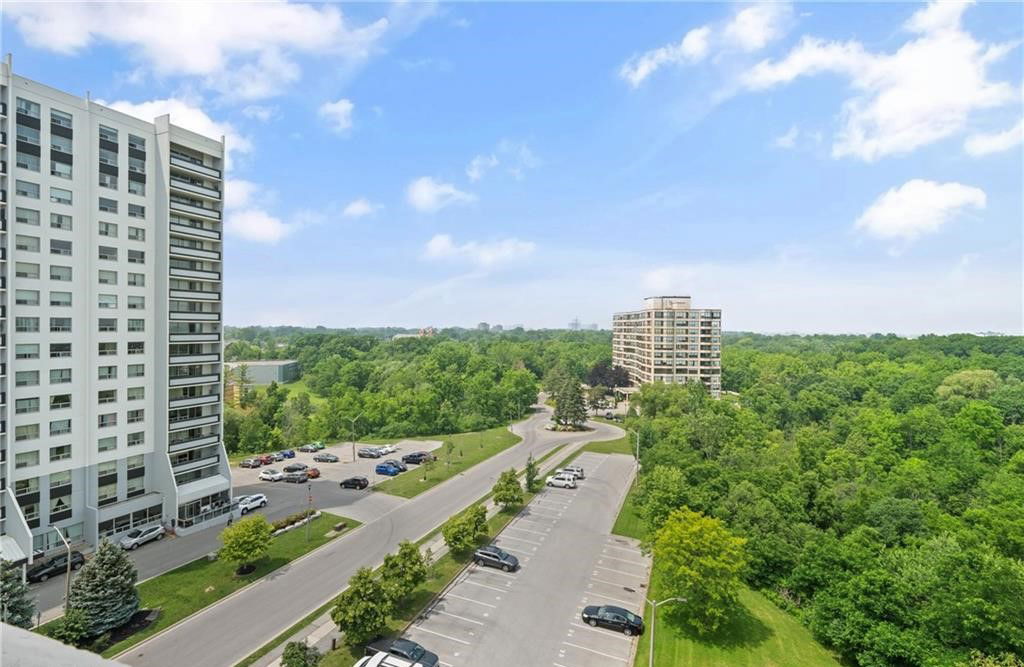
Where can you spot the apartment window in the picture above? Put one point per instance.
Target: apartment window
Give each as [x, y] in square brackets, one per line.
[26, 297]
[137, 438]
[136, 370]
[60, 453]
[136, 326]
[27, 189]
[62, 273]
[26, 432]
[107, 324]
[29, 135]
[26, 378]
[60, 401]
[136, 347]
[107, 444]
[106, 396]
[27, 107]
[106, 252]
[27, 216]
[107, 300]
[108, 229]
[60, 299]
[108, 133]
[108, 181]
[135, 416]
[135, 486]
[137, 461]
[136, 302]
[136, 257]
[136, 211]
[26, 351]
[137, 165]
[107, 277]
[62, 478]
[25, 486]
[60, 144]
[108, 205]
[60, 221]
[60, 324]
[26, 405]
[107, 494]
[60, 118]
[60, 169]
[138, 143]
[26, 270]
[31, 511]
[26, 459]
[136, 188]
[26, 324]
[107, 373]
[136, 234]
[136, 280]
[60, 427]
[60, 375]
[26, 161]
[62, 248]
[107, 349]
[60, 196]
[60, 350]
[26, 243]
[135, 393]
[107, 420]
[108, 157]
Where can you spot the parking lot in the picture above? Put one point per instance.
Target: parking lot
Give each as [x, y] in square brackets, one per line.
[568, 560]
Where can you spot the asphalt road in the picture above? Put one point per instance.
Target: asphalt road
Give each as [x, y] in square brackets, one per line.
[228, 631]
[532, 616]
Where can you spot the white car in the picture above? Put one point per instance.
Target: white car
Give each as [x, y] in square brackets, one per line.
[136, 537]
[575, 471]
[271, 475]
[249, 503]
[387, 449]
[562, 480]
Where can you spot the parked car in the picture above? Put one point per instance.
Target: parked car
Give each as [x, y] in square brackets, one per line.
[355, 483]
[410, 650]
[249, 503]
[296, 477]
[613, 618]
[386, 469]
[266, 459]
[369, 453]
[608, 414]
[250, 463]
[136, 537]
[418, 457]
[563, 480]
[318, 445]
[297, 466]
[493, 556]
[398, 464]
[384, 659]
[56, 566]
[326, 457]
[387, 449]
[271, 475]
[278, 457]
[309, 449]
[312, 473]
[576, 470]
[287, 453]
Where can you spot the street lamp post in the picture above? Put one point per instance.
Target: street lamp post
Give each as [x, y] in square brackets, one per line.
[309, 493]
[637, 434]
[654, 613]
[67, 574]
[352, 432]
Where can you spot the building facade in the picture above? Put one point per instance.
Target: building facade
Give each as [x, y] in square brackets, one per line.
[265, 371]
[670, 341]
[110, 322]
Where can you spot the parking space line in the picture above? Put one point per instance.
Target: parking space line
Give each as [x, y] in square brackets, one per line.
[461, 618]
[631, 562]
[603, 632]
[459, 597]
[519, 539]
[534, 512]
[608, 597]
[632, 551]
[539, 523]
[519, 551]
[625, 574]
[607, 655]
[461, 641]
[475, 583]
[609, 583]
[526, 530]
[445, 664]
[558, 664]
[492, 571]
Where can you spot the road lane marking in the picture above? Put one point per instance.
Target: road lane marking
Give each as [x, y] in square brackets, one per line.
[461, 618]
[461, 641]
[459, 597]
[627, 574]
[607, 655]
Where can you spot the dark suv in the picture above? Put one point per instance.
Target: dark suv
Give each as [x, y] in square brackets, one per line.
[613, 618]
[418, 457]
[410, 650]
[492, 556]
[55, 567]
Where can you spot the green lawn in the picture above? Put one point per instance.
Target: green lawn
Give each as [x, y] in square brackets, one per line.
[189, 588]
[470, 449]
[628, 523]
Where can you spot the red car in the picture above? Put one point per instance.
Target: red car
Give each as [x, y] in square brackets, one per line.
[266, 459]
[312, 473]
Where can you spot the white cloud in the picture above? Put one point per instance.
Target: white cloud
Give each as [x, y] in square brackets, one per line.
[256, 225]
[691, 49]
[997, 142]
[517, 157]
[754, 27]
[427, 195]
[922, 93]
[260, 113]
[787, 140]
[239, 194]
[479, 165]
[917, 208]
[357, 208]
[337, 114]
[482, 254]
[245, 50]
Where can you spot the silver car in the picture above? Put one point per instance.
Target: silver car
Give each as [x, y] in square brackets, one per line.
[136, 537]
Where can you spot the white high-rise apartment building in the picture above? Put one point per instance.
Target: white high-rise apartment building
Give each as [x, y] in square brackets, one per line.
[110, 322]
[670, 341]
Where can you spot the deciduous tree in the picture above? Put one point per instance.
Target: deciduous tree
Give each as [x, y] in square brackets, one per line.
[246, 541]
[363, 609]
[507, 491]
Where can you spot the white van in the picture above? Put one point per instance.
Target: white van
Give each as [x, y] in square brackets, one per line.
[383, 659]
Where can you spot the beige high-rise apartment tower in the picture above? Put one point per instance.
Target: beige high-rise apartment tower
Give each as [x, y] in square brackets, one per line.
[670, 341]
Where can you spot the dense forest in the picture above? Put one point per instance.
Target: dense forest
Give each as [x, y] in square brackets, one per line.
[878, 481]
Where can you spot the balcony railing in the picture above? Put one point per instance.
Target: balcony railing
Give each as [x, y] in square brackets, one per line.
[193, 273]
[188, 381]
[190, 230]
[201, 190]
[195, 295]
[195, 359]
[197, 167]
[190, 401]
[197, 463]
[194, 337]
[194, 252]
[194, 422]
[185, 316]
[202, 441]
[195, 210]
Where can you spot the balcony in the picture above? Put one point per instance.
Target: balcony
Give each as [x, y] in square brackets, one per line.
[196, 359]
[195, 210]
[193, 273]
[198, 463]
[194, 166]
[192, 188]
[202, 441]
[181, 315]
[190, 230]
[196, 253]
[194, 422]
[190, 401]
[194, 295]
[210, 378]
[194, 337]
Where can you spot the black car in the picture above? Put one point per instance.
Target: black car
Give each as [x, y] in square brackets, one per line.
[55, 567]
[492, 556]
[418, 457]
[398, 464]
[308, 449]
[325, 457]
[369, 453]
[410, 650]
[613, 618]
[295, 467]
[355, 483]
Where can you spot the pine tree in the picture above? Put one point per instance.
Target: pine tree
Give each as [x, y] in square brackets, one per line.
[105, 589]
[17, 605]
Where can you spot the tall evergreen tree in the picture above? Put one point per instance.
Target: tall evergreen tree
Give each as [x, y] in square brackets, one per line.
[105, 589]
[16, 605]
[570, 406]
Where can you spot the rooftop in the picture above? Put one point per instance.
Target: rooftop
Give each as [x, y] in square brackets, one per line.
[262, 362]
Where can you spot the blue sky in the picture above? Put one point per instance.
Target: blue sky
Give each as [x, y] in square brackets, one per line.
[805, 167]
